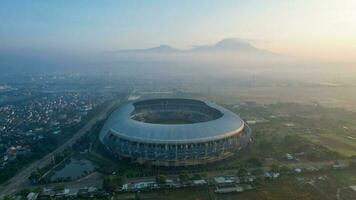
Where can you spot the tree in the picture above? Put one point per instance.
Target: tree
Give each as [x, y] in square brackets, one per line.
[24, 192]
[352, 164]
[184, 176]
[257, 172]
[137, 196]
[196, 177]
[59, 187]
[255, 161]
[112, 183]
[37, 190]
[7, 197]
[161, 179]
[242, 172]
[284, 169]
[275, 168]
[35, 176]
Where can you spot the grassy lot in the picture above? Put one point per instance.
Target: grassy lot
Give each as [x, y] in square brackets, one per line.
[332, 184]
[334, 129]
[339, 143]
[347, 177]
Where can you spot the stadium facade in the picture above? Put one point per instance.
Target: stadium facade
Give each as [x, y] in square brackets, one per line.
[174, 132]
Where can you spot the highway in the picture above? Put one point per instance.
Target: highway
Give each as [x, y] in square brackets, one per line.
[21, 179]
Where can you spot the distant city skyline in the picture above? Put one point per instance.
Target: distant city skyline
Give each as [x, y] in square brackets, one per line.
[315, 29]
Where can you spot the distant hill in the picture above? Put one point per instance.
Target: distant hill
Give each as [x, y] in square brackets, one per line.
[159, 49]
[229, 45]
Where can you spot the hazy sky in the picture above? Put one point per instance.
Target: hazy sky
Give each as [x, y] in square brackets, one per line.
[318, 29]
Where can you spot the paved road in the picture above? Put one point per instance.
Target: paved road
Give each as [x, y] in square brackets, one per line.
[21, 178]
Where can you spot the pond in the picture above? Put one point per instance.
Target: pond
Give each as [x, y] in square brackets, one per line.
[73, 169]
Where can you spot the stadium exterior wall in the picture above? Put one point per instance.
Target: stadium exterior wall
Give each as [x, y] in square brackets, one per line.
[176, 153]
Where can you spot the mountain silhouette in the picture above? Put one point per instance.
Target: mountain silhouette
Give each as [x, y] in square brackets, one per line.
[159, 49]
[225, 46]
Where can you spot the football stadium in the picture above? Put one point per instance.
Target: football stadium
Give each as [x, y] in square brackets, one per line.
[174, 132]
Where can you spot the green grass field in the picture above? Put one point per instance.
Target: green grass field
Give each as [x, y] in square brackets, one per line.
[347, 177]
[335, 142]
[332, 128]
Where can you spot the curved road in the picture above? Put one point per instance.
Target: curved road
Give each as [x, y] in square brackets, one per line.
[21, 178]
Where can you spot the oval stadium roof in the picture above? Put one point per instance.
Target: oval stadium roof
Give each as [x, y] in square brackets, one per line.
[120, 123]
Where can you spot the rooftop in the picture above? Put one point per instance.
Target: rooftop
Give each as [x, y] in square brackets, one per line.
[122, 124]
